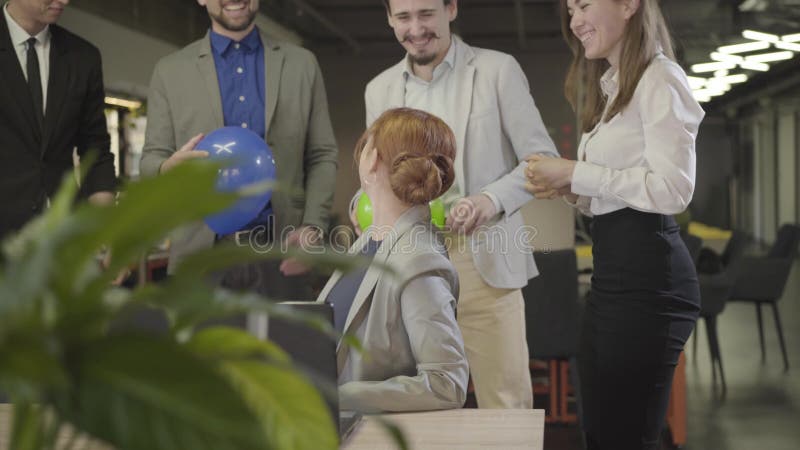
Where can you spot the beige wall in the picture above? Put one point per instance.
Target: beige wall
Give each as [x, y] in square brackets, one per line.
[128, 56]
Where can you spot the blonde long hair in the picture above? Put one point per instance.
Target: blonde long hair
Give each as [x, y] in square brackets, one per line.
[645, 35]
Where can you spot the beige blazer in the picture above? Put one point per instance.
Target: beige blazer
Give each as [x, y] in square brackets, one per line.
[497, 125]
[415, 357]
[184, 100]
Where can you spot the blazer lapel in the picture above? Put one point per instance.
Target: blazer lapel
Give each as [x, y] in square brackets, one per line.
[61, 72]
[12, 77]
[273, 66]
[464, 78]
[208, 70]
[326, 290]
[370, 278]
[396, 91]
[360, 299]
[363, 298]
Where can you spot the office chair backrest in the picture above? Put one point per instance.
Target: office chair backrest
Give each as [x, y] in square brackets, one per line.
[734, 248]
[786, 243]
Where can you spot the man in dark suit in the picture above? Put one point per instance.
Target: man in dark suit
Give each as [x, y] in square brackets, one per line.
[51, 102]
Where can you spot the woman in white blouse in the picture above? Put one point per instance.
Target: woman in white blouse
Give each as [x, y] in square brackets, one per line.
[635, 168]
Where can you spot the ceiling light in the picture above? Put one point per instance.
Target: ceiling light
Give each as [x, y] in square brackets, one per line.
[750, 65]
[787, 46]
[745, 47]
[696, 82]
[708, 92]
[718, 85]
[752, 5]
[728, 57]
[759, 36]
[733, 79]
[701, 95]
[769, 57]
[791, 37]
[725, 57]
[712, 66]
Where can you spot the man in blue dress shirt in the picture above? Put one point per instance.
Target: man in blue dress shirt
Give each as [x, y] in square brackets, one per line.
[238, 76]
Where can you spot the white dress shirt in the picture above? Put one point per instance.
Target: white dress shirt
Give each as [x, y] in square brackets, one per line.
[19, 38]
[440, 98]
[644, 157]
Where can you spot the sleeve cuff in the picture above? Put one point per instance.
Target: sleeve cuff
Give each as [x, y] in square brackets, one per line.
[587, 179]
[497, 205]
[574, 205]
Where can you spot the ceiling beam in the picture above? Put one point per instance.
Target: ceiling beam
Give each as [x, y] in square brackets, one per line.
[377, 6]
[519, 12]
[327, 23]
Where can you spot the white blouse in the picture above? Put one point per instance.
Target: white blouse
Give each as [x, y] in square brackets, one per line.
[644, 157]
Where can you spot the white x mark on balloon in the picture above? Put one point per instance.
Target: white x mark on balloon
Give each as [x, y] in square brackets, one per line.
[224, 148]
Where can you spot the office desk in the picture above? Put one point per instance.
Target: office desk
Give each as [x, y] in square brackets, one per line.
[456, 428]
[81, 443]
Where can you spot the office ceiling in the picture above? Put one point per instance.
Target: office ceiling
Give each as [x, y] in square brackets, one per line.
[360, 26]
[516, 26]
[699, 26]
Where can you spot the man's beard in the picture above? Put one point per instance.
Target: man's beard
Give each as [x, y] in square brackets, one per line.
[228, 25]
[424, 59]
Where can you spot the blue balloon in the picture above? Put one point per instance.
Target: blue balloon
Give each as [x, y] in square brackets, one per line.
[248, 160]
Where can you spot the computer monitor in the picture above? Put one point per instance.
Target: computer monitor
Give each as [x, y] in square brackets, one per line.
[313, 353]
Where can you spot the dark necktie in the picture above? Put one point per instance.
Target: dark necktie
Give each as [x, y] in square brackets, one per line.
[35, 81]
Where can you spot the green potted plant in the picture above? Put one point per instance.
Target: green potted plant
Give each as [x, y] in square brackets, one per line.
[218, 389]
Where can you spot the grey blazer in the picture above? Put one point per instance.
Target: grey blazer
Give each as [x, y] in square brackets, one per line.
[414, 355]
[497, 125]
[184, 100]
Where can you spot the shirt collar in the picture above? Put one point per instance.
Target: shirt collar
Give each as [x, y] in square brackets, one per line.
[609, 82]
[447, 63]
[18, 34]
[221, 43]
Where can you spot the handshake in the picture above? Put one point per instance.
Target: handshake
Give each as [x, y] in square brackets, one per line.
[549, 177]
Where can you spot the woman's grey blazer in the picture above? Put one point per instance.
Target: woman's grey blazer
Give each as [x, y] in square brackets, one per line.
[414, 357]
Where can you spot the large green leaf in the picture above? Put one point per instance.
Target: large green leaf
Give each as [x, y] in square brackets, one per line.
[16, 245]
[145, 214]
[223, 342]
[292, 412]
[191, 304]
[145, 392]
[52, 276]
[27, 426]
[29, 367]
[223, 256]
[141, 393]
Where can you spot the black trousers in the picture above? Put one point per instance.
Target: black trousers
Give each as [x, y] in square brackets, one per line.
[643, 305]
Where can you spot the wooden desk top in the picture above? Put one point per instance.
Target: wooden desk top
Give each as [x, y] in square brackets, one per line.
[82, 442]
[457, 428]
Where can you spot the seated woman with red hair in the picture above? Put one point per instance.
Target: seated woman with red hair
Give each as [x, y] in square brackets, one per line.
[413, 355]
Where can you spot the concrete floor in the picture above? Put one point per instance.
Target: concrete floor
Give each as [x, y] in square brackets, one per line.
[761, 409]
